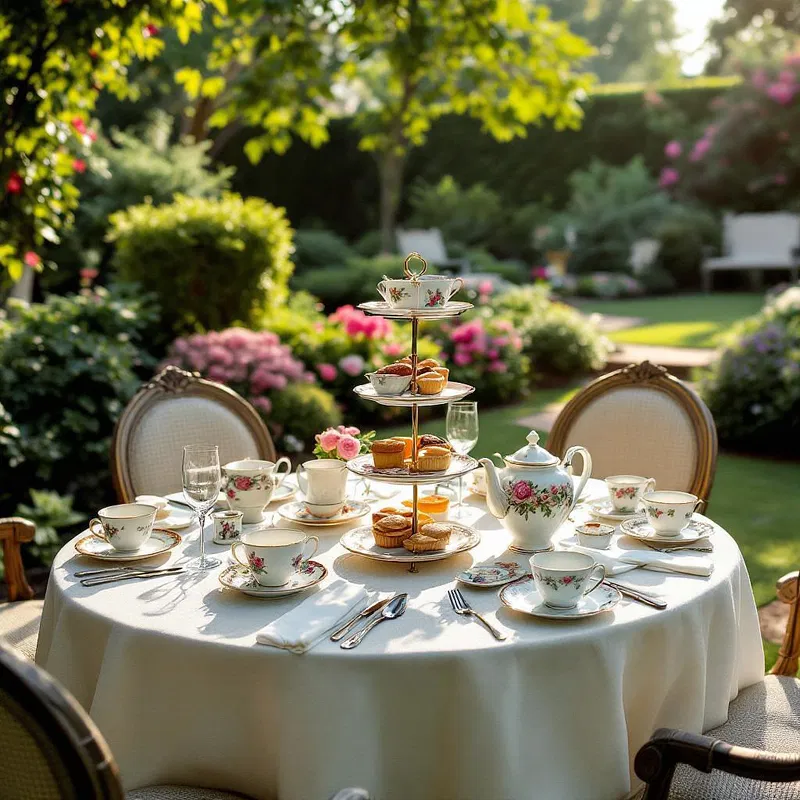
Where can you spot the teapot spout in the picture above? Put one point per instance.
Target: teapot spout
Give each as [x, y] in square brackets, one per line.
[496, 499]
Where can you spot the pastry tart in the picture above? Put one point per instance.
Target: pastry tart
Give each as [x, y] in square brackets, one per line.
[419, 543]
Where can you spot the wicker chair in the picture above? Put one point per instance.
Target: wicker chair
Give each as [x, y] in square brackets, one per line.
[722, 765]
[20, 616]
[644, 421]
[174, 409]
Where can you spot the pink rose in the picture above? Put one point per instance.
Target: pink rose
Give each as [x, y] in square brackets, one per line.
[347, 447]
[243, 483]
[522, 490]
[327, 372]
[329, 439]
[673, 149]
[351, 431]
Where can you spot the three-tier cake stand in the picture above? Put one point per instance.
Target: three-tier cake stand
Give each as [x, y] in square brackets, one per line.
[360, 540]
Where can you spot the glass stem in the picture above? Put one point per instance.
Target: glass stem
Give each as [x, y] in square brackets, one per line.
[460, 492]
[201, 518]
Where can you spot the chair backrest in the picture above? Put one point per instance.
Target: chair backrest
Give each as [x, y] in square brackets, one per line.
[174, 409]
[643, 254]
[50, 748]
[428, 243]
[762, 235]
[640, 420]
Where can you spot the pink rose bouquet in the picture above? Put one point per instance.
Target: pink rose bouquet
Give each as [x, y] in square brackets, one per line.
[344, 443]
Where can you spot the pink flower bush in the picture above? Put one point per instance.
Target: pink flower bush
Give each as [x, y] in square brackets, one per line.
[669, 177]
[782, 93]
[357, 323]
[673, 149]
[327, 372]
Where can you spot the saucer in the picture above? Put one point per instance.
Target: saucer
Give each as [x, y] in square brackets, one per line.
[297, 512]
[495, 574]
[604, 508]
[160, 541]
[178, 518]
[523, 596]
[242, 580]
[284, 492]
[640, 528]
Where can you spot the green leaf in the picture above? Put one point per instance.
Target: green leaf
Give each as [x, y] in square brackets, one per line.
[191, 80]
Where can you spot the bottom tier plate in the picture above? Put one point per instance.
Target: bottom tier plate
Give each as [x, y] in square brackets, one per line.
[361, 542]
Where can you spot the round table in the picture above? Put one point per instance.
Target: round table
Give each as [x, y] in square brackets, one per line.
[429, 706]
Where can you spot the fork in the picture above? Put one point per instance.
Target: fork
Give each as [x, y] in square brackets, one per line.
[461, 606]
[675, 548]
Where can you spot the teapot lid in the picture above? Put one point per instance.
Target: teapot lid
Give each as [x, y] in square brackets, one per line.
[532, 455]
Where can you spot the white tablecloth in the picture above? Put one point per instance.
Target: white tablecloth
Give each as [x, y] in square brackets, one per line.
[429, 706]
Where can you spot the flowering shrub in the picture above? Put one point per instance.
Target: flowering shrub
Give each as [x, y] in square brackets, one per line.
[753, 389]
[343, 443]
[486, 353]
[258, 367]
[608, 285]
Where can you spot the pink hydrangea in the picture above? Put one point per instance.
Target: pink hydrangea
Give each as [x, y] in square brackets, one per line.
[673, 149]
[669, 177]
[347, 447]
[352, 365]
[327, 372]
[328, 439]
[782, 93]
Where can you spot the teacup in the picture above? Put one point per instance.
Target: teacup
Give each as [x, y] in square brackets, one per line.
[385, 384]
[273, 555]
[625, 491]
[125, 527]
[324, 484]
[249, 485]
[669, 512]
[227, 525]
[563, 577]
[427, 291]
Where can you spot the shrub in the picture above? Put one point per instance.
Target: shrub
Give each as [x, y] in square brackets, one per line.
[684, 237]
[368, 245]
[558, 340]
[608, 285]
[67, 368]
[319, 248]
[260, 368]
[211, 263]
[300, 411]
[753, 389]
[49, 511]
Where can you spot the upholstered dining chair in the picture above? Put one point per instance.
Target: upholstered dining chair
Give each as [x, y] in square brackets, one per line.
[755, 755]
[641, 420]
[173, 409]
[20, 615]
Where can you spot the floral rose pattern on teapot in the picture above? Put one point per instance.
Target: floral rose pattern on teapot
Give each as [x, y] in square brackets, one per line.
[526, 497]
[242, 483]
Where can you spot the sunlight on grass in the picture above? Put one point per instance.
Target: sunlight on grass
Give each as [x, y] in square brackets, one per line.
[673, 334]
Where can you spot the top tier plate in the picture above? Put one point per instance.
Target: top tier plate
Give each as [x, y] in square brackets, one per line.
[382, 309]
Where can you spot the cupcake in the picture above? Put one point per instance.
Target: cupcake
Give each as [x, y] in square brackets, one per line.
[387, 453]
[391, 531]
[438, 531]
[430, 383]
[433, 459]
[429, 362]
[443, 371]
[419, 543]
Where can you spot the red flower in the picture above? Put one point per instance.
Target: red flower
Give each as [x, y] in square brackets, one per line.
[231, 493]
[88, 274]
[150, 30]
[14, 183]
[522, 490]
[567, 580]
[243, 483]
[79, 125]
[79, 165]
[32, 259]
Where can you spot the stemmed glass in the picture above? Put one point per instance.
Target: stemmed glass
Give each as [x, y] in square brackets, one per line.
[202, 479]
[462, 433]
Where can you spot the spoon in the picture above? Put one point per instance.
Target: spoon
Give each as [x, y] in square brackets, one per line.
[393, 609]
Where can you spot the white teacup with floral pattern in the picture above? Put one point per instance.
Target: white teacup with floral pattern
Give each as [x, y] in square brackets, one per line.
[426, 291]
[563, 577]
[126, 526]
[273, 555]
[625, 491]
[668, 512]
[249, 485]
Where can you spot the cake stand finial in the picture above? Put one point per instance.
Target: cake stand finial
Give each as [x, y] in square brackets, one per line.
[407, 266]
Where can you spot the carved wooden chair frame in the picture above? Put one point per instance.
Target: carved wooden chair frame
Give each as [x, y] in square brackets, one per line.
[14, 531]
[654, 377]
[176, 382]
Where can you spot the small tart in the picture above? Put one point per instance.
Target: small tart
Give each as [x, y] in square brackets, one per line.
[431, 503]
[384, 512]
[395, 369]
[392, 523]
[427, 439]
[443, 371]
[419, 543]
[438, 531]
[387, 453]
[391, 531]
[433, 459]
[430, 383]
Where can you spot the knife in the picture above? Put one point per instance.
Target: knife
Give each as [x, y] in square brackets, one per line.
[125, 576]
[85, 573]
[367, 612]
[634, 595]
[392, 610]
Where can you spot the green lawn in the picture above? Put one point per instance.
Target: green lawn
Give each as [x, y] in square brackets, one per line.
[691, 320]
[756, 500]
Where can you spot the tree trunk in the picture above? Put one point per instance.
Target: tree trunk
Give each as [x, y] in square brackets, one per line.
[196, 125]
[391, 174]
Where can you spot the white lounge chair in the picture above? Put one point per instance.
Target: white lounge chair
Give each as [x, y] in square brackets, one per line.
[757, 242]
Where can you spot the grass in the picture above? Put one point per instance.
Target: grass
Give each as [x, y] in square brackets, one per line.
[755, 499]
[692, 320]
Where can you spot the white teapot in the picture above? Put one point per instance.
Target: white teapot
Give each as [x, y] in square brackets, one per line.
[534, 494]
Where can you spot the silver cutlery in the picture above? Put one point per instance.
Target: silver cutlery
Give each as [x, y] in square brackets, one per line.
[394, 608]
[626, 591]
[674, 548]
[85, 573]
[126, 576]
[367, 612]
[461, 606]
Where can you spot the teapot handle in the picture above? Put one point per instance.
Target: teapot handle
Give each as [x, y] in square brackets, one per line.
[585, 475]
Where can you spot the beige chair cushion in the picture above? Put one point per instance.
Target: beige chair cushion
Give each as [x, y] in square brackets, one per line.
[180, 793]
[157, 445]
[765, 717]
[637, 431]
[19, 625]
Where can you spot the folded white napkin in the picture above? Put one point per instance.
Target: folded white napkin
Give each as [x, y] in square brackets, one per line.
[618, 559]
[308, 624]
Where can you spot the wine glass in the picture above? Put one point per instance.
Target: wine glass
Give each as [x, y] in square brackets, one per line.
[202, 479]
[462, 433]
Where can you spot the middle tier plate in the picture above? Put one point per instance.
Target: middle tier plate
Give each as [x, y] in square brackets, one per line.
[450, 394]
[459, 465]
